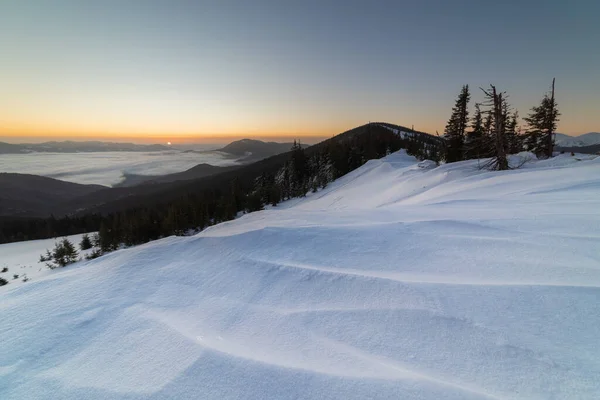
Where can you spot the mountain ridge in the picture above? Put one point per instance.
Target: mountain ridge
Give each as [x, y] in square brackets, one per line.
[586, 139]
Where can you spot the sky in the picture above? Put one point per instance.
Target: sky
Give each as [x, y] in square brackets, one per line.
[149, 70]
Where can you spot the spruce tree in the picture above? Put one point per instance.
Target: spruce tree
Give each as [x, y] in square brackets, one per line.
[70, 252]
[85, 243]
[474, 138]
[105, 238]
[512, 136]
[551, 115]
[64, 253]
[456, 127]
[541, 125]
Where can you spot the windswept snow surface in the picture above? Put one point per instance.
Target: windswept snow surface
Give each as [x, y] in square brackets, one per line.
[395, 282]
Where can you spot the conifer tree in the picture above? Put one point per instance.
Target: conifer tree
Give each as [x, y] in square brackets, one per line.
[299, 169]
[105, 237]
[474, 138]
[64, 253]
[70, 252]
[512, 137]
[456, 126]
[85, 243]
[541, 125]
[551, 115]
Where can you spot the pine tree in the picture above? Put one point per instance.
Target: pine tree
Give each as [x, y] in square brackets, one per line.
[474, 138]
[541, 125]
[512, 136]
[551, 115]
[64, 253]
[70, 252]
[85, 243]
[456, 126]
[105, 237]
[299, 171]
[534, 122]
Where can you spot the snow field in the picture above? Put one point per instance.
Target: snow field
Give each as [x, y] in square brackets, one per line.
[395, 281]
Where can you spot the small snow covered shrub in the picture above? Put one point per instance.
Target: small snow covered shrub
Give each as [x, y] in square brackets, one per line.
[5, 269]
[94, 254]
[64, 253]
[86, 242]
[46, 257]
[3, 281]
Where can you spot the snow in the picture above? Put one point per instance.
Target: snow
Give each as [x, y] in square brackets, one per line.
[401, 133]
[22, 258]
[394, 282]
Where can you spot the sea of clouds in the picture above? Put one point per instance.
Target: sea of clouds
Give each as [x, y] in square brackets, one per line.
[107, 168]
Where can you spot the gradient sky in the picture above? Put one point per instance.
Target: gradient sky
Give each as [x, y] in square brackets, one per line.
[171, 69]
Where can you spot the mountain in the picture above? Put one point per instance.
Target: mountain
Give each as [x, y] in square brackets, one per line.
[250, 150]
[163, 193]
[7, 148]
[588, 139]
[77, 147]
[37, 195]
[397, 281]
[158, 197]
[196, 172]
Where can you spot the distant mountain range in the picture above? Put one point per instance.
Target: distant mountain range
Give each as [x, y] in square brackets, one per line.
[198, 171]
[77, 147]
[62, 198]
[256, 147]
[31, 195]
[247, 150]
[588, 139]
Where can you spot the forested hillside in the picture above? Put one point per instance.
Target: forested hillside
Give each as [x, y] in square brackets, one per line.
[195, 204]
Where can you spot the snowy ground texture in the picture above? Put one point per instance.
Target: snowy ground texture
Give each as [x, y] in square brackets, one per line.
[398, 281]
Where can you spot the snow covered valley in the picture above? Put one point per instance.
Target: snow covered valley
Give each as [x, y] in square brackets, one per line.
[397, 281]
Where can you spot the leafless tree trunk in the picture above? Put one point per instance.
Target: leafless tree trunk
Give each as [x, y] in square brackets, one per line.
[496, 102]
[500, 131]
[550, 123]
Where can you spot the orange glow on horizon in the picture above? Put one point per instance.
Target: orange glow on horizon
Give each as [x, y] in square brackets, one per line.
[25, 132]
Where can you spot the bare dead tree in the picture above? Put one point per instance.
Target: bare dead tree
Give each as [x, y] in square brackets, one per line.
[496, 100]
[551, 118]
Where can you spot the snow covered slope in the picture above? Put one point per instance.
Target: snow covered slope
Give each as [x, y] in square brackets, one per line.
[395, 282]
[23, 259]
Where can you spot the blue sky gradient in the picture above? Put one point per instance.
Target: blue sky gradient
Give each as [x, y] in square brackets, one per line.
[200, 69]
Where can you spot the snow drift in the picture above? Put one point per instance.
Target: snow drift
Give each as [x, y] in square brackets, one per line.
[395, 282]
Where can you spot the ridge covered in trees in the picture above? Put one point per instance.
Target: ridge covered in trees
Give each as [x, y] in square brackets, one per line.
[492, 133]
[197, 204]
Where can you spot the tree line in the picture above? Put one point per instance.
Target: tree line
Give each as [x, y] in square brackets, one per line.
[494, 130]
[302, 171]
[491, 133]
